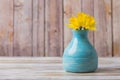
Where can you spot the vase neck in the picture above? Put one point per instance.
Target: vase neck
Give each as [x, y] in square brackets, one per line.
[80, 33]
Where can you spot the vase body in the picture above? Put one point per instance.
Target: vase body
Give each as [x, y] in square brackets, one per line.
[80, 55]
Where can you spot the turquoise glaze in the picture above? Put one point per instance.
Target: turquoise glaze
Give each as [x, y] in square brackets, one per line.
[80, 55]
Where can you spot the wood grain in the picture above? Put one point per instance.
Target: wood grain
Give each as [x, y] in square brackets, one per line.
[103, 35]
[41, 28]
[6, 28]
[116, 23]
[38, 28]
[53, 28]
[71, 8]
[41, 68]
[35, 27]
[88, 7]
[22, 28]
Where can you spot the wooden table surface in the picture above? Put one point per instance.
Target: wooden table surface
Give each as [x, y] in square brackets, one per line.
[50, 68]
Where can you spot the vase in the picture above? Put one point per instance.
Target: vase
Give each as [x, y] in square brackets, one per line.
[80, 55]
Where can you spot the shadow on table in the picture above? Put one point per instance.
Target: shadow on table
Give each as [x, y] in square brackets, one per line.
[108, 70]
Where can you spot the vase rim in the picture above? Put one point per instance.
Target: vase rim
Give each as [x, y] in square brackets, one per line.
[80, 30]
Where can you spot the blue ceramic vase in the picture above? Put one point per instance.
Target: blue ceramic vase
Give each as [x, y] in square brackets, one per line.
[80, 55]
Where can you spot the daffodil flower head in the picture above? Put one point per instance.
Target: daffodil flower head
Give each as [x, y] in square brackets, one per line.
[82, 22]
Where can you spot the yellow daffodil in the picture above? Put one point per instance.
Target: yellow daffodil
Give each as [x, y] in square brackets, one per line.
[82, 22]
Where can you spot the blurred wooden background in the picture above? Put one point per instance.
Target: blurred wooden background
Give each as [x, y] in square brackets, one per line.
[36, 27]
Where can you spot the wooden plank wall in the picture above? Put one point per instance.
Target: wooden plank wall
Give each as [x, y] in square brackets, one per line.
[36, 27]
